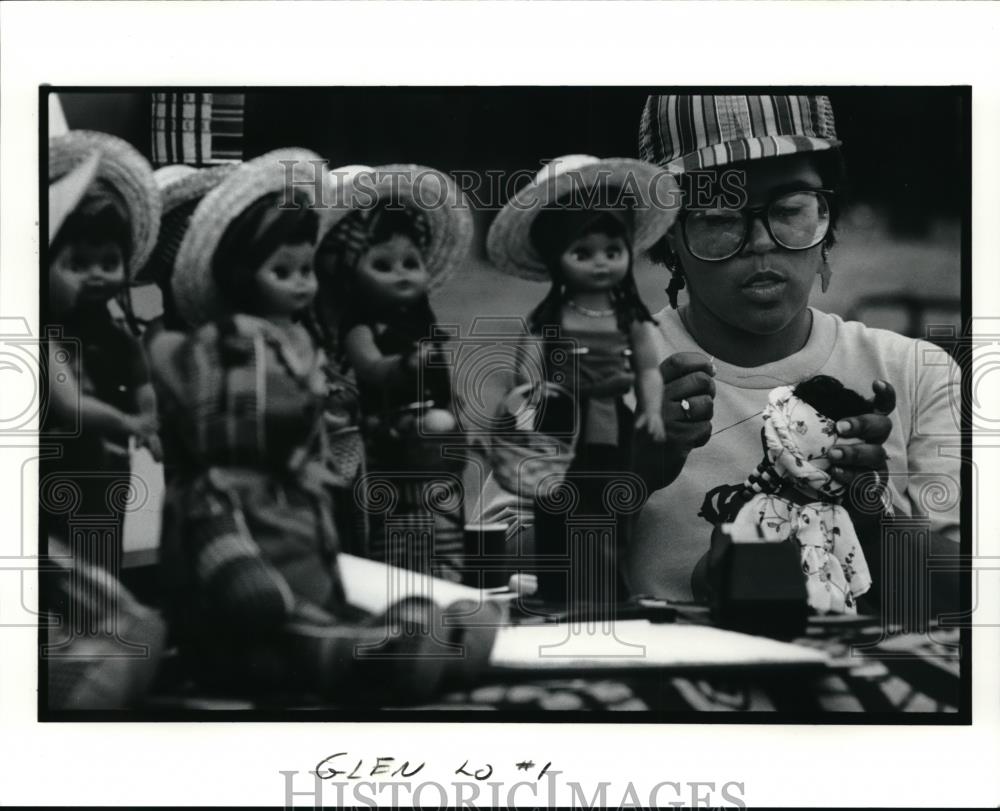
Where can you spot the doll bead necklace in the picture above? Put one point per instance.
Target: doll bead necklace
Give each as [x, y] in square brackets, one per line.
[586, 311]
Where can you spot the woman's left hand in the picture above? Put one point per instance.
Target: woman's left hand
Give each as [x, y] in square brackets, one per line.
[868, 455]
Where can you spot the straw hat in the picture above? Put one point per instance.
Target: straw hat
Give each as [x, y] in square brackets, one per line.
[66, 192]
[681, 133]
[126, 170]
[611, 182]
[181, 187]
[194, 287]
[434, 194]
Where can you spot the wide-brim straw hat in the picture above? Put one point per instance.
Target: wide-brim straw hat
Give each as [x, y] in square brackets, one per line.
[688, 132]
[195, 293]
[433, 193]
[179, 185]
[124, 168]
[583, 180]
[65, 193]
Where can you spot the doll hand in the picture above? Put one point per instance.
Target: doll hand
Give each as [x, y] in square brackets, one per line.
[864, 463]
[653, 424]
[523, 583]
[152, 443]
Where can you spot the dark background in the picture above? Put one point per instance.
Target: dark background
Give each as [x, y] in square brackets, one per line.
[904, 147]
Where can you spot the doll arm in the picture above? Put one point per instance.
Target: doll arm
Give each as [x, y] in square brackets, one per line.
[649, 382]
[369, 364]
[71, 406]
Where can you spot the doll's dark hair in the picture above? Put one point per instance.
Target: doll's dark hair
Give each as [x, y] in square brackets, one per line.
[252, 237]
[625, 300]
[830, 166]
[101, 216]
[831, 398]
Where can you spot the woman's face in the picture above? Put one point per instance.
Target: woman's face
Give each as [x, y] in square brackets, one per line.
[393, 272]
[764, 287]
[286, 283]
[594, 262]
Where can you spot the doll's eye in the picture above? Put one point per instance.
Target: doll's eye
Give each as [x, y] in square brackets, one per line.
[411, 263]
[580, 254]
[281, 272]
[613, 253]
[381, 265]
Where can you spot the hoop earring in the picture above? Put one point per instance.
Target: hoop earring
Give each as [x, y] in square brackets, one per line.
[824, 272]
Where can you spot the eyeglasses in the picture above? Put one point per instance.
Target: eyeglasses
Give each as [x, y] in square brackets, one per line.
[796, 220]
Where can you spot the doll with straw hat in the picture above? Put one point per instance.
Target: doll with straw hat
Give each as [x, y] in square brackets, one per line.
[250, 546]
[405, 230]
[101, 398]
[579, 225]
[87, 670]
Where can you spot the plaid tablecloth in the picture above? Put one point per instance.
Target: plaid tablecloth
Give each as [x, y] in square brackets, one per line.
[871, 670]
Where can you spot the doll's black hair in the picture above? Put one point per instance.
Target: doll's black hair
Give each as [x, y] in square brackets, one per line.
[101, 216]
[252, 237]
[831, 398]
[625, 300]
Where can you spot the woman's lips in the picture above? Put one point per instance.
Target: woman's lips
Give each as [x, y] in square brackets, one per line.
[766, 286]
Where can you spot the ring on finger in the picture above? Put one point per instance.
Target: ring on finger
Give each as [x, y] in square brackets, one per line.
[686, 408]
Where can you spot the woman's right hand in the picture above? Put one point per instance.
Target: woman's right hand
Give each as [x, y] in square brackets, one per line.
[687, 376]
[688, 380]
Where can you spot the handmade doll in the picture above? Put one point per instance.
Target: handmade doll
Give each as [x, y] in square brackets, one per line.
[573, 227]
[101, 398]
[791, 495]
[400, 239]
[249, 543]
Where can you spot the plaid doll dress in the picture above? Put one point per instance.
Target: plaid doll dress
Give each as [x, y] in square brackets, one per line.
[248, 532]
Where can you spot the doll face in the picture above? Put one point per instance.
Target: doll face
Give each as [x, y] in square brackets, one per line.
[86, 273]
[393, 272]
[595, 262]
[286, 283]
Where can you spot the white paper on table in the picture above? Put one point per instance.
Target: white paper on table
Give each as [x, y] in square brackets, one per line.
[629, 644]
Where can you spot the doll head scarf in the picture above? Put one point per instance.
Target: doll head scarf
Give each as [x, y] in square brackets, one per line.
[351, 238]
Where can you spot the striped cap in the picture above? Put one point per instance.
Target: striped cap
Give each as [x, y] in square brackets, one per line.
[682, 133]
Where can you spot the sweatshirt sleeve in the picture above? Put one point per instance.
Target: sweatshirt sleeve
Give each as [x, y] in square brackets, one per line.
[935, 442]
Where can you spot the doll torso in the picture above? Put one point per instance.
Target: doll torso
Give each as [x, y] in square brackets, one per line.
[433, 383]
[256, 393]
[602, 376]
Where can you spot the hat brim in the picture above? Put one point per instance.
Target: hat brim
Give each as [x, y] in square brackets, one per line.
[126, 170]
[750, 149]
[178, 185]
[197, 298]
[651, 193]
[66, 193]
[431, 192]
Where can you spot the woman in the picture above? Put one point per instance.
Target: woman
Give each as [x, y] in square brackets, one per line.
[749, 166]
[748, 247]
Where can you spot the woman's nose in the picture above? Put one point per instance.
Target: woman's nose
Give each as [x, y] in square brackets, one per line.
[759, 240]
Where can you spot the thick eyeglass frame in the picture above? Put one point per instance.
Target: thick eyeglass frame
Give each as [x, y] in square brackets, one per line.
[751, 213]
